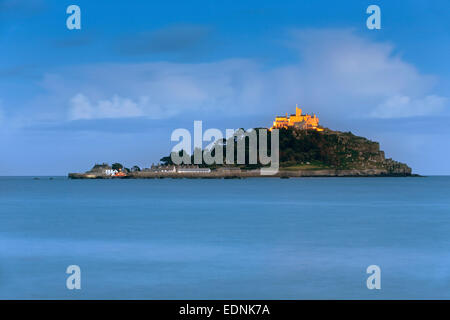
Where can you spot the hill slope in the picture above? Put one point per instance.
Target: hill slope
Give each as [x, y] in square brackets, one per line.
[302, 150]
[334, 149]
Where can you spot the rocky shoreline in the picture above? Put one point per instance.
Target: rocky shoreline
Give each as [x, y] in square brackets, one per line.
[303, 153]
[250, 174]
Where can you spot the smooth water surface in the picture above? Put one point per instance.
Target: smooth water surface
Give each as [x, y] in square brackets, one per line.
[308, 238]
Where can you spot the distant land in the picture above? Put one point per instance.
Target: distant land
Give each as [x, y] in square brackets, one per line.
[305, 150]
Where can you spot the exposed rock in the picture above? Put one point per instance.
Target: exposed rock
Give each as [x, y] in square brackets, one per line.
[335, 149]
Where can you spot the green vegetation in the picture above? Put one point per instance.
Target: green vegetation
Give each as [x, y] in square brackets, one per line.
[308, 150]
[300, 150]
[311, 149]
[315, 165]
[117, 166]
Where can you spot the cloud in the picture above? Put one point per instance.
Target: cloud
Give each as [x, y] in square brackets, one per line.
[404, 106]
[153, 90]
[116, 107]
[341, 70]
[172, 39]
[338, 74]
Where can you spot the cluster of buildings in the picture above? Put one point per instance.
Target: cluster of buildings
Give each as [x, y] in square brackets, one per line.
[106, 170]
[114, 173]
[297, 120]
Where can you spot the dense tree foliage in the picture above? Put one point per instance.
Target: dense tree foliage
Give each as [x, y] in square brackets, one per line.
[117, 166]
[328, 148]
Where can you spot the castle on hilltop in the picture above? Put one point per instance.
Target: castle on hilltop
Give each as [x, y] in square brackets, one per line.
[297, 120]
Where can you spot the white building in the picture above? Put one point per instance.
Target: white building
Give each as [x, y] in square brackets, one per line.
[110, 172]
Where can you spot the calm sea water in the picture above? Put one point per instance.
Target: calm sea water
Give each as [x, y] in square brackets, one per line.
[221, 239]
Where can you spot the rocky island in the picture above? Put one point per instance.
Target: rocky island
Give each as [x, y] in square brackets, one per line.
[305, 150]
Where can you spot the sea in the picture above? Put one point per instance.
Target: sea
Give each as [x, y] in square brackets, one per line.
[260, 238]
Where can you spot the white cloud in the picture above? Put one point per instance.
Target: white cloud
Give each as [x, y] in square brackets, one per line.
[160, 90]
[116, 107]
[338, 72]
[404, 106]
[343, 71]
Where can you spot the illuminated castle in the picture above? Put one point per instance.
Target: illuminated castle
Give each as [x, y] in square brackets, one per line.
[297, 120]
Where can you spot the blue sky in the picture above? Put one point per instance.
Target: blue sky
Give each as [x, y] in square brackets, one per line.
[137, 70]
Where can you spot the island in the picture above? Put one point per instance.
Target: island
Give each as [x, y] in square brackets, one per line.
[305, 150]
